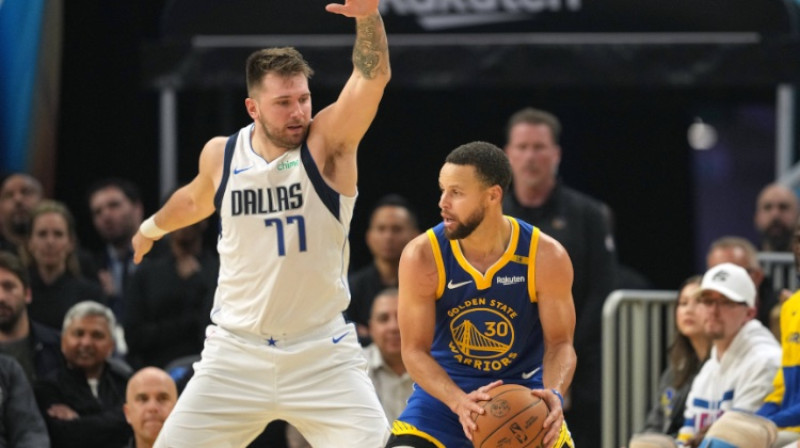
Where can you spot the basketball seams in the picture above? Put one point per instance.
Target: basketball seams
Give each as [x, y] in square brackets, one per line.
[502, 421]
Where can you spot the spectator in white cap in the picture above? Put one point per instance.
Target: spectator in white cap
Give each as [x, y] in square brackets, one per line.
[744, 357]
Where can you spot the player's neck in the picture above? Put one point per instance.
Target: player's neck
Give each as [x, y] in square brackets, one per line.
[534, 196]
[265, 148]
[488, 242]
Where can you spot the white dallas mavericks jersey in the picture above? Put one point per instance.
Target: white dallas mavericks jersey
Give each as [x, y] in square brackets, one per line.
[283, 243]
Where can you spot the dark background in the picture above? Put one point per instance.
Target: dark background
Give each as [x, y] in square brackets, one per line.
[625, 145]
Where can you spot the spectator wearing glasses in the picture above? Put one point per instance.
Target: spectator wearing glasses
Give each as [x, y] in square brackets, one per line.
[744, 354]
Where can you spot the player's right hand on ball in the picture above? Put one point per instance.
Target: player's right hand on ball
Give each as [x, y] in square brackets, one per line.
[467, 408]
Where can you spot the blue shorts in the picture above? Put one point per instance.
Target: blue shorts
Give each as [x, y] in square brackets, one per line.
[428, 418]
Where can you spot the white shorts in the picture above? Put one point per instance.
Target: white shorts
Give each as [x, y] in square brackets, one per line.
[316, 381]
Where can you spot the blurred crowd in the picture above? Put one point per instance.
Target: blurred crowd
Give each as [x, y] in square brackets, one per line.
[95, 349]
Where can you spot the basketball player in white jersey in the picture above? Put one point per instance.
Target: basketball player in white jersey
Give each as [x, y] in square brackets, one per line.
[284, 189]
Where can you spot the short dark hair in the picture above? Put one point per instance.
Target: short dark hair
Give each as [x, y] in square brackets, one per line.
[283, 61]
[530, 115]
[396, 200]
[13, 264]
[127, 187]
[490, 162]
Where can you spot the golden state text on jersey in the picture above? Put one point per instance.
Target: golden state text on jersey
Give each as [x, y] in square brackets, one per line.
[488, 323]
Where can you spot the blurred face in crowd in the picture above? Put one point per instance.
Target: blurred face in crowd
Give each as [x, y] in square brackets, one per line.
[738, 256]
[86, 343]
[14, 297]
[18, 196]
[281, 107]
[390, 229]
[150, 397]
[724, 317]
[775, 218]
[689, 314]
[796, 247]
[463, 201]
[383, 328]
[533, 154]
[115, 217]
[50, 243]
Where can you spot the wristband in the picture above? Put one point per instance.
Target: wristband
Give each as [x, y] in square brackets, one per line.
[558, 394]
[150, 230]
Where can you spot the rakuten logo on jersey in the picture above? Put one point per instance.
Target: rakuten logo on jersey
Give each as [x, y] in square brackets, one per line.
[445, 14]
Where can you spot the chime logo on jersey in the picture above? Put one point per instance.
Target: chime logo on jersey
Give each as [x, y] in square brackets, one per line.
[483, 334]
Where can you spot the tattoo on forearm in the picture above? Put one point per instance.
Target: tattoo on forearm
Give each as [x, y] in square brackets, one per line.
[371, 51]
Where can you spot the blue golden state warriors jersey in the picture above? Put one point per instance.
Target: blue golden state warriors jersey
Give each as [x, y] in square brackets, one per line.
[487, 325]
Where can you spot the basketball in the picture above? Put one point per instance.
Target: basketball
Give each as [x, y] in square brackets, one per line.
[513, 418]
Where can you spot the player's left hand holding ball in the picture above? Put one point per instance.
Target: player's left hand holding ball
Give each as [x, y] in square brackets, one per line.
[555, 415]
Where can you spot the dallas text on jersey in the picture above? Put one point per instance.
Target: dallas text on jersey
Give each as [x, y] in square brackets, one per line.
[267, 200]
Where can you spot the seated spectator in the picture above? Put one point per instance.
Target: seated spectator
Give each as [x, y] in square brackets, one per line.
[741, 252]
[82, 401]
[21, 425]
[744, 355]
[117, 210]
[36, 347]
[56, 280]
[19, 194]
[687, 354]
[150, 397]
[169, 299]
[775, 217]
[386, 369]
[392, 225]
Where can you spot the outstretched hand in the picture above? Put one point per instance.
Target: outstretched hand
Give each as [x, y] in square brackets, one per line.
[354, 8]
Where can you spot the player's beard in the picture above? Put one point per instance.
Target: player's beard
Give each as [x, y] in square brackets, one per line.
[465, 228]
[280, 139]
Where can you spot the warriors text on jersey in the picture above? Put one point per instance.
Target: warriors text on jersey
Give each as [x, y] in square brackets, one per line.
[283, 242]
[487, 325]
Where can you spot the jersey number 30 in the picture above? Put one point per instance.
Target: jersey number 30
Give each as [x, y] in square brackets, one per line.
[290, 220]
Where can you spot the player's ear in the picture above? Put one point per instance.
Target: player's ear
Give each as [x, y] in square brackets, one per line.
[496, 193]
[250, 105]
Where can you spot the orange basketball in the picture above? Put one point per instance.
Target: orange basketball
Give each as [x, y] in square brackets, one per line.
[513, 418]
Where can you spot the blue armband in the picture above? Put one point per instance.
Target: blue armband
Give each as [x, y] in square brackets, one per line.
[558, 394]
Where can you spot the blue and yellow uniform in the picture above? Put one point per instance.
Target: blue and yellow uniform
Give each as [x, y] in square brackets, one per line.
[782, 406]
[487, 328]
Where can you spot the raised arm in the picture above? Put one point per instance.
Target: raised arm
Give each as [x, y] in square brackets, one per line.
[557, 314]
[338, 129]
[416, 313]
[188, 205]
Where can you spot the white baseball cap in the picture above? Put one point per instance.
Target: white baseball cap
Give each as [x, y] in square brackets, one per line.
[731, 281]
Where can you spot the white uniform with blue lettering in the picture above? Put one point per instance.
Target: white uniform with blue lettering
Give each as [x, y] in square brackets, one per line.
[279, 348]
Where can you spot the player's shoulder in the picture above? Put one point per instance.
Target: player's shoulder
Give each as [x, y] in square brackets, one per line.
[549, 249]
[418, 250]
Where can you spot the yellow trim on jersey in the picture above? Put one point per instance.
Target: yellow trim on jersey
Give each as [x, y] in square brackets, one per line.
[532, 265]
[564, 436]
[402, 428]
[484, 281]
[437, 257]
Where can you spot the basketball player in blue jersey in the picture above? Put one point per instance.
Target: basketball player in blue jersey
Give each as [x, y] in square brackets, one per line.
[284, 189]
[485, 299]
